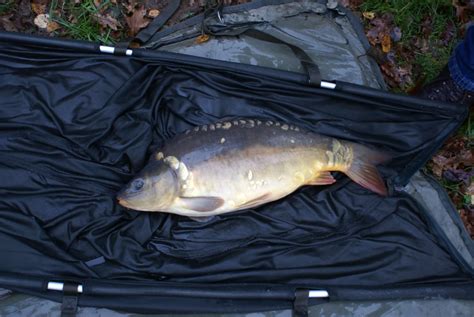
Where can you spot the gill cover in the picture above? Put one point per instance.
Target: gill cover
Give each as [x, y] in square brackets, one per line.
[153, 189]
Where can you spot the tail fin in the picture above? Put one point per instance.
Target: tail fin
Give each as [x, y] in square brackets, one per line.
[363, 170]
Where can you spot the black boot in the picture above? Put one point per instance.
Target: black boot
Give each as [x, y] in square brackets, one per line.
[443, 88]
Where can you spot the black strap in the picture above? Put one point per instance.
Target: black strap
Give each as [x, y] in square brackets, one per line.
[120, 51]
[300, 305]
[144, 35]
[312, 70]
[69, 305]
[310, 67]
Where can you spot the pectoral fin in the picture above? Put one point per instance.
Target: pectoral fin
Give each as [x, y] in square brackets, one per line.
[323, 178]
[201, 203]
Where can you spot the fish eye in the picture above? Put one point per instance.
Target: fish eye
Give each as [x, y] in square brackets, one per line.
[138, 184]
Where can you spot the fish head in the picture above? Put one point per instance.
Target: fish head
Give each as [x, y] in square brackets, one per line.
[153, 189]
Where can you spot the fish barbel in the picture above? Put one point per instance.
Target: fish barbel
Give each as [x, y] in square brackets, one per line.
[234, 165]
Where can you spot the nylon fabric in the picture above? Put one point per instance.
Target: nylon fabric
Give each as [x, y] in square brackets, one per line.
[74, 128]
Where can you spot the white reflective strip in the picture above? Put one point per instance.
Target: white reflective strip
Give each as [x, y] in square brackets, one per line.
[56, 286]
[107, 49]
[111, 50]
[318, 294]
[326, 84]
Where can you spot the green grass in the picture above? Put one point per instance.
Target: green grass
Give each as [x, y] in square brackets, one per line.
[409, 17]
[455, 189]
[431, 63]
[7, 7]
[85, 27]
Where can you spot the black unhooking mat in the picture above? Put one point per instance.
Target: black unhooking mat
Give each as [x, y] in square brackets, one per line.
[76, 125]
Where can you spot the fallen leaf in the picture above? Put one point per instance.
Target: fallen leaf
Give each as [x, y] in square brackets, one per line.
[458, 175]
[397, 76]
[467, 216]
[6, 24]
[351, 4]
[153, 13]
[448, 34]
[39, 6]
[41, 21]
[379, 28]
[368, 15]
[427, 27]
[137, 21]
[396, 34]
[422, 44]
[72, 18]
[464, 9]
[107, 21]
[52, 26]
[23, 8]
[202, 38]
[386, 43]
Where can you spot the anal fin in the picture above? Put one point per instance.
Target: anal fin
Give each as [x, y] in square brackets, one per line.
[323, 178]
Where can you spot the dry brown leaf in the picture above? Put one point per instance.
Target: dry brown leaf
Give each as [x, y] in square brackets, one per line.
[153, 13]
[107, 21]
[52, 26]
[351, 4]
[378, 28]
[39, 6]
[440, 163]
[137, 21]
[6, 24]
[464, 9]
[449, 33]
[202, 38]
[397, 76]
[386, 43]
[369, 15]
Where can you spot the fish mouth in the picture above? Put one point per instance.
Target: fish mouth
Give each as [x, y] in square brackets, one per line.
[122, 200]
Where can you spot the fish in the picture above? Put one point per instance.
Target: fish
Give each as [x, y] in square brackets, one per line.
[242, 164]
